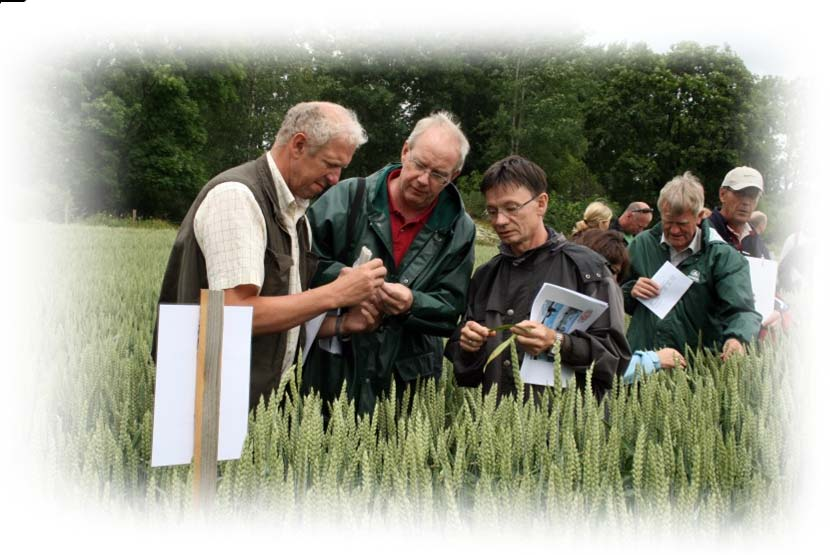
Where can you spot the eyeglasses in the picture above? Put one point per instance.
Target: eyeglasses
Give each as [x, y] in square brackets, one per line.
[509, 211]
[642, 210]
[436, 178]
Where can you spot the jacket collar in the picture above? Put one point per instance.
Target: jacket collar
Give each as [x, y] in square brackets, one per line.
[554, 242]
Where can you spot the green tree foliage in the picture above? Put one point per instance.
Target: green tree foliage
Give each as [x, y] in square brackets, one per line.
[145, 129]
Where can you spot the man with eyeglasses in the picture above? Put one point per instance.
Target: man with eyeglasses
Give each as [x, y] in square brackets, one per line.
[412, 217]
[635, 219]
[503, 289]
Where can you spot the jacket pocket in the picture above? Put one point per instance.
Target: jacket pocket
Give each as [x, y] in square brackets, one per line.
[422, 365]
[277, 271]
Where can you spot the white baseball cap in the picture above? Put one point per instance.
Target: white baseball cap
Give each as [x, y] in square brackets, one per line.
[743, 177]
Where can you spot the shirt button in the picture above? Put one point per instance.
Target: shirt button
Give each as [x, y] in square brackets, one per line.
[405, 281]
[506, 364]
[510, 312]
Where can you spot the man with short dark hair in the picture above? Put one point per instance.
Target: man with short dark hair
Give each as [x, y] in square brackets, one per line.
[718, 308]
[246, 233]
[502, 290]
[739, 194]
[636, 218]
[412, 217]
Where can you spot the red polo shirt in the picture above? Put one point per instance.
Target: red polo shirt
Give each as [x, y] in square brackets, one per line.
[404, 231]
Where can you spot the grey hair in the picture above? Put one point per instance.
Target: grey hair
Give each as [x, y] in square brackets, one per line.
[447, 120]
[321, 122]
[758, 218]
[682, 194]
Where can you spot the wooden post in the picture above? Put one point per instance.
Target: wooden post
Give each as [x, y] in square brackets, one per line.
[135, 214]
[208, 374]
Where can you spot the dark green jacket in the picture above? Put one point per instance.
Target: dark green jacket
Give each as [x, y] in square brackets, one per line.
[717, 306]
[437, 268]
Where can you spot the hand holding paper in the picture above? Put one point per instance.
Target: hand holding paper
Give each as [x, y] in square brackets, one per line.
[534, 337]
[671, 285]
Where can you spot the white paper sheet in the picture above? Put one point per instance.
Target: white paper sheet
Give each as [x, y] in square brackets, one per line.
[763, 274]
[175, 401]
[311, 329]
[565, 311]
[332, 344]
[673, 284]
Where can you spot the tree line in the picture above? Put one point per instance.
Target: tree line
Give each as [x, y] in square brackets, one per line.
[144, 128]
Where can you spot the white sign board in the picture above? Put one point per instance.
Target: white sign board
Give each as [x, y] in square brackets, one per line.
[175, 402]
[763, 274]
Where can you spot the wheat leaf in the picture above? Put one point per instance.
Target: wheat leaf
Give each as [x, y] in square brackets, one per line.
[497, 351]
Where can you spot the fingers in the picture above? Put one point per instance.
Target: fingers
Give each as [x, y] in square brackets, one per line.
[670, 358]
[473, 336]
[645, 288]
[395, 298]
[533, 337]
[355, 285]
[731, 347]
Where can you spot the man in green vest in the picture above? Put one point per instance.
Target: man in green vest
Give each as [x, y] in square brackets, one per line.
[247, 233]
[412, 217]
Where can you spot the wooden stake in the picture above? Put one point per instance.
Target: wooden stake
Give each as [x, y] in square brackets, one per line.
[208, 375]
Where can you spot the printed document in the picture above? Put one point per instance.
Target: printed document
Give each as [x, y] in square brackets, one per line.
[565, 311]
[673, 284]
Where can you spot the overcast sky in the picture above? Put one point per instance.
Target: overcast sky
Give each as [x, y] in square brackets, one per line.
[772, 38]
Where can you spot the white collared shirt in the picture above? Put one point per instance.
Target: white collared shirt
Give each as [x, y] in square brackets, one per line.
[230, 229]
[676, 257]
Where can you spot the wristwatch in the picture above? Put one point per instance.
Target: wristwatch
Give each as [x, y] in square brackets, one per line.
[556, 343]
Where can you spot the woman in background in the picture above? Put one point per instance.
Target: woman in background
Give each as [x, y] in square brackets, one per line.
[597, 216]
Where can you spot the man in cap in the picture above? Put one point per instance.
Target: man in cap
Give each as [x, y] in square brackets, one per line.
[635, 219]
[739, 194]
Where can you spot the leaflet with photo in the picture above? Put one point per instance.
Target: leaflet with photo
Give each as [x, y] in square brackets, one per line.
[565, 311]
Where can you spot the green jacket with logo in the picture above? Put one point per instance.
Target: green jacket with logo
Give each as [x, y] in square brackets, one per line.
[437, 268]
[718, 305]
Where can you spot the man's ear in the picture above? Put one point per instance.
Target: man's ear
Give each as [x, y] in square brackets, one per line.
[404, 151]
[543, 200]
[297, 145]
[721, 194]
